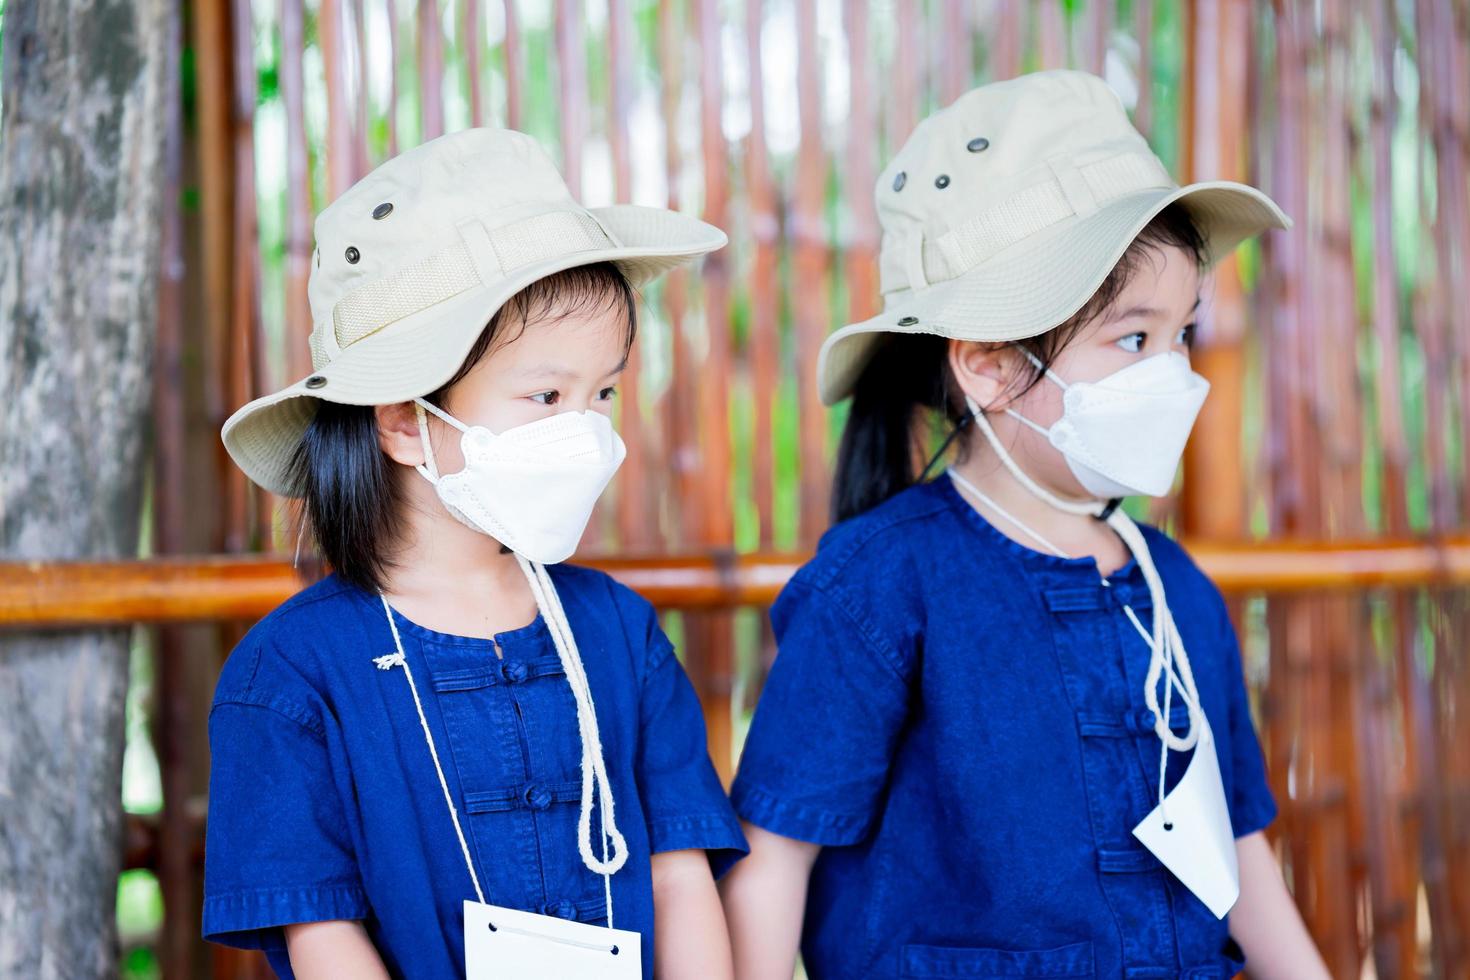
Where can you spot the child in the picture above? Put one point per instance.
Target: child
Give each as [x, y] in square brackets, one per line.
[988, 682]
[452, 726]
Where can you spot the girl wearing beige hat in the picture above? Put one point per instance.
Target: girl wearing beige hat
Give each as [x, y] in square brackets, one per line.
[455, 756]
[1007, 733]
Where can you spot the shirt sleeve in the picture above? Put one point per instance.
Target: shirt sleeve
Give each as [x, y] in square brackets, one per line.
[816, 762]
[277, 845]
[1252, 805]
[684, 802]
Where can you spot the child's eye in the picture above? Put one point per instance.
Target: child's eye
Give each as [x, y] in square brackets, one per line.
[1133, 343]
[547, 397]
[1186, 335]
[607, 393]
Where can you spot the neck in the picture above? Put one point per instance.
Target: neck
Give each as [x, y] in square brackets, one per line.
[1079, 535]
[437, 558]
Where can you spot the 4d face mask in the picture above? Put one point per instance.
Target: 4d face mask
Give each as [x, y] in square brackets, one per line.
[1125, 434]
[530, 487]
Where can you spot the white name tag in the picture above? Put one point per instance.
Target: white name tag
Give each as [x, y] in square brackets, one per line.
[507, 944]
[1199, 846]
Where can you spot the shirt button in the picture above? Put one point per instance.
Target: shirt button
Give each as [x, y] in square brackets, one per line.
[538, 797]
[562, 910]
[513, 673]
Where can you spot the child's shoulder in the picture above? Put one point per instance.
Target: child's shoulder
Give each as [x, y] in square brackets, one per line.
[877, 541]
[279, 658]
[611, 603]
[1171, 556]
[1186, 581]
[597, 588]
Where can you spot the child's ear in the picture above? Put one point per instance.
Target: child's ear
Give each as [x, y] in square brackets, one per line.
[984, 371]
[398, 433]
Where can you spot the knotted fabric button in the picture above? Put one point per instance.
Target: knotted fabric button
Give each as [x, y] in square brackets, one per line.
[538, 797]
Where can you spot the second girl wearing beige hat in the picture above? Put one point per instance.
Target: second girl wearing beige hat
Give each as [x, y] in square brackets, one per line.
[1006, 733]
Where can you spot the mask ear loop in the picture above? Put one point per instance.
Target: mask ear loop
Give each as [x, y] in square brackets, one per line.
[428, 468]
[1047, 373]
[973, 411]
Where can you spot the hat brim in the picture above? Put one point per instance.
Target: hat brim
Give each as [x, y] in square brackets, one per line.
[418, 354]
[1037, 284]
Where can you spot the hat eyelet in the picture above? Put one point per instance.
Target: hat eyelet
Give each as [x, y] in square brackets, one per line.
[316, 381]
[908, 321]
[382, 211]
[978, 144]
[942, 181]
[899, 179]
[353, 254]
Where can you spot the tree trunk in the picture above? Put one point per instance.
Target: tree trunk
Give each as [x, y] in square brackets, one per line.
[81, 144]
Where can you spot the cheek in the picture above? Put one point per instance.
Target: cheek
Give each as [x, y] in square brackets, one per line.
[1042, 404]
[447, 455]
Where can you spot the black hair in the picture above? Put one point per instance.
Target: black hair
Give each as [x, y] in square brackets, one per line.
[907, 391]
[351, 496]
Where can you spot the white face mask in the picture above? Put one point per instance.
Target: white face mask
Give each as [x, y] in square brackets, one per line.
[531, 487]
[1125, 434]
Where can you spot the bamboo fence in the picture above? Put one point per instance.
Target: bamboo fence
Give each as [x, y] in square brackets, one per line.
[1326, 485]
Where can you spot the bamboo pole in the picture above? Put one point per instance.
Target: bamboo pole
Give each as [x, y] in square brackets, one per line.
[431, 71]
[1008, 46]
[390, 8]
[571, 90]
[361, 93]
[679, 405]
[339, 137]
[234, 588]
[1213, 498]
[859, 171]
[711, 659]
[637, 496]
[298, 188]
[512, 50]
[470, 44]
[810, 264]
[765, 232]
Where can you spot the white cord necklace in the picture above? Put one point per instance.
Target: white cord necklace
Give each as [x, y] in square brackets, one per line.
[1168, 659]
[594, 768]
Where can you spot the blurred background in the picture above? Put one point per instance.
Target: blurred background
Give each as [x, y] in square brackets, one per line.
[1326, 488]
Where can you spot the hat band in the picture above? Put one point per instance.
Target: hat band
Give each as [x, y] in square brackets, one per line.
[477, 260]
[1067, 191]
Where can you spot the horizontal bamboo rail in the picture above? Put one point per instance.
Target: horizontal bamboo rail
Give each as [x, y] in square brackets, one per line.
[210, 588]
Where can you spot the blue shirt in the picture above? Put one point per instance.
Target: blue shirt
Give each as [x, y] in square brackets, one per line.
[959, 720]
[324, 802]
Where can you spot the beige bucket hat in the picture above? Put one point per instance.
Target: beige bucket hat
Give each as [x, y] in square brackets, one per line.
[1004, 212]
[413, 260]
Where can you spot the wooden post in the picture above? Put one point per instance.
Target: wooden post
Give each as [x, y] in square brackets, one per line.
[1213, 497]
[82, 142]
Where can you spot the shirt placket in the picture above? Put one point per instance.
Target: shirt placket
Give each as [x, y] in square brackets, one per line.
[1094, 671]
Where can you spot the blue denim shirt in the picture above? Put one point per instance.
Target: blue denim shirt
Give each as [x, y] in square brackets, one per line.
[324, 803]
[960, 721]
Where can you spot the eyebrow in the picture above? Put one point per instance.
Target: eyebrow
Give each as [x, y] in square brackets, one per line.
[549, 370]
[1149, 311]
